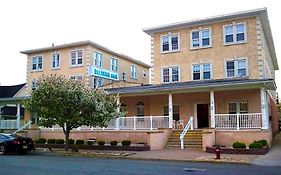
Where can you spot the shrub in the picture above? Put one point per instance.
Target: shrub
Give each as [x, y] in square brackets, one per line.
[79, 142]
[41, 141]
[59, 141]
[51, 141]
[126, 142]
[113, 143]
[101, 143]
[255, 145]
[239, 145]
[263, 142]
[90, 142]
[71, 141]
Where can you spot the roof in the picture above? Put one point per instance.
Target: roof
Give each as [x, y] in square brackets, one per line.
[262, 12]
[218, 84]
[87, 42]
[10, 91]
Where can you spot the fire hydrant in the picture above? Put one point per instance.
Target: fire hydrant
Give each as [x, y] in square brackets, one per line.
[218, 153]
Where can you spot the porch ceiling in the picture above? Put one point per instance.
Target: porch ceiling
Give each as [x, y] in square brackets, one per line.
[194, 86]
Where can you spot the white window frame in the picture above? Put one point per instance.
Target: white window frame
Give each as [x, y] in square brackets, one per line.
[57, 63]
[170, 43]
[144, 74]
[113, 64]
[37, 63]
[236, 67]
[170, 73]
[76, 77]
[200, 30]
[238, 107]
[97, 60]
[76, 57]
[134, 72]
[234, 24]
[202, 71]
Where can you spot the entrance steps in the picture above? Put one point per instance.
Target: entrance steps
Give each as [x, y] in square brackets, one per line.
[193, 139]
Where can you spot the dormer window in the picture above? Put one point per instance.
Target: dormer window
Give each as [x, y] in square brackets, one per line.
[170, 42]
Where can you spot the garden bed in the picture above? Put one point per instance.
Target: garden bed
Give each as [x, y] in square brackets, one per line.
[253, 151]
[137, 147]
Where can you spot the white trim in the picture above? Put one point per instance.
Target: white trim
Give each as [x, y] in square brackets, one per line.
[100, 61]
[170, 43]
[134, 72]
[76, 58]
[55, 68]
[170, 73]
[236, 66]
[201, 71]
[200, 38]
[234, 24]
[113, 60]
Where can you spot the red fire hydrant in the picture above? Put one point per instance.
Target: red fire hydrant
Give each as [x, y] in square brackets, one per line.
[218, 153]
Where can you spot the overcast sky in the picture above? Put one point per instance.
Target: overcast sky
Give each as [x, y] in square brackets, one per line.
[116, 24]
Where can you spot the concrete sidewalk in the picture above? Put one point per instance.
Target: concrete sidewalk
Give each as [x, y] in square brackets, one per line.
[273, 157]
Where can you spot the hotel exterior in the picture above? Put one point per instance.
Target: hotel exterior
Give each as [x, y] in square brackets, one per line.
[215, 76]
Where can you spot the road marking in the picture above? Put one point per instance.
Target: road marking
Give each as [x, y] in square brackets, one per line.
[193, 169]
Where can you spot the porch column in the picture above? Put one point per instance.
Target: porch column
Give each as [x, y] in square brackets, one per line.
[212, 109]
[170, 111]
[118, 103]
[117, 121]
[264, 109]
[18, 116]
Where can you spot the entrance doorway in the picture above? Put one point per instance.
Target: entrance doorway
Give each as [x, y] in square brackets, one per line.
[203, 115]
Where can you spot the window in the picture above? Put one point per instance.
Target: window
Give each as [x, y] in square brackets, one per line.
[176, 112]
[140, 109]
[238, 107]
[170, 74]
[76, 77]
[236, 68]
[201, 38]
[76, 57]
[169, 43]
[133, 72]
[113, 64]
[201, 71]
[235, 33]
[55, 60]
[97, 59]
[37, 63]
[124, 76]
[33, 84]
[97, 82]
[144, 73]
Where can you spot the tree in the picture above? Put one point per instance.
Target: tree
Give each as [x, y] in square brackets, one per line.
[71, 104]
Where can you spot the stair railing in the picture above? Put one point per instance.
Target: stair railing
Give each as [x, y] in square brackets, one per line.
[188, 126]
[28, 124]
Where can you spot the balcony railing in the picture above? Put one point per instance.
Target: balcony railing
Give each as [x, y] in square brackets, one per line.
[128, 123]
[238, 121]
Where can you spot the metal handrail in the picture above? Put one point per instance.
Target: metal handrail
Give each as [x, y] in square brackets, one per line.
[28, 124]
[188, 126]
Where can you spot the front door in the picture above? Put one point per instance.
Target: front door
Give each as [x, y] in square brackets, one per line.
[203, 115]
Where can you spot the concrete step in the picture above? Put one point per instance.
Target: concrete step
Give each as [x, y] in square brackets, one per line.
[185, 140]
[186, 143]
[185, 146]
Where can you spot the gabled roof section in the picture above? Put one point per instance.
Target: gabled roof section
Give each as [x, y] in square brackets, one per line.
[87, 42]
[261, 12]
[10, 91]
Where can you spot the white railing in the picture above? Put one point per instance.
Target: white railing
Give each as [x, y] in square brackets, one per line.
[188, 126]
[238, 121]
[8, 124]
[127, 123]
[27, 125]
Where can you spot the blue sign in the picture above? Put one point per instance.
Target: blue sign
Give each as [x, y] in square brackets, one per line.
[104, 73]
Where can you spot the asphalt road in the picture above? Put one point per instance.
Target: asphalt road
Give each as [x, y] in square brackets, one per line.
[38, 164]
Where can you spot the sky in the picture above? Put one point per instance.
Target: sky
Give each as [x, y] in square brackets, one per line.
[118, 25]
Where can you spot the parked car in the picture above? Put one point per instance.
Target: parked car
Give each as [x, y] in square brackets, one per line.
[15, 143]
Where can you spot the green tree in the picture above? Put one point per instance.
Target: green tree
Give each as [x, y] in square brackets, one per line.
[71, 104]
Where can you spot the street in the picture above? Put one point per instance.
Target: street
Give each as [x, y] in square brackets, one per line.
[45, 164]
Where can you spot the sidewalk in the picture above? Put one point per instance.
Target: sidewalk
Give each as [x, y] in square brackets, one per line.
[273, 157]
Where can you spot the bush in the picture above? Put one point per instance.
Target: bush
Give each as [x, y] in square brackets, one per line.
[71, 141]
[263, 142]
[239, 145]
[126, 142]
[255, 145]
[113, 143]
[79, 142]
[90, 142]
[59, 141]
[41, 141]
[51, 141]
[101, 143]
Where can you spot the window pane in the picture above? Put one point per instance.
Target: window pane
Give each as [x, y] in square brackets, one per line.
[166, 75]
[241, 72]
[195, 43]
[232, 108]
[196, 68]
[206, 67]
[205, 34]
[229, 38]
[206, 75]
[165, 43]
[243, 107]
[80, 53]
[195, 35]
[196, 76]
[175, 74]
[206, 71]
[230, 73]
[240, 37]
[206, 42]
[175, 42]
[228, 30]
[241, 64]
[230, 65]
[240, 28]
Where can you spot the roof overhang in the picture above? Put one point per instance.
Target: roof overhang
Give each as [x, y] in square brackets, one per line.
[190, 87]
[261, 12]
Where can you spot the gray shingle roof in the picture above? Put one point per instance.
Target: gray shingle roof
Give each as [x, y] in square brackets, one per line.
[190, 85]
[9, 91]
